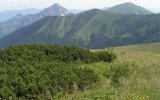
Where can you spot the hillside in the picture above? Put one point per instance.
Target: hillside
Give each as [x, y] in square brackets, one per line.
[29, 72]
[4, 16]
[90, 29]
[43, 71]
[153, 48]
[128, 8]
[18, 22]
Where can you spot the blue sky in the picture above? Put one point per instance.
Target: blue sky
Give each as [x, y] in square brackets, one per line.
[153, 5]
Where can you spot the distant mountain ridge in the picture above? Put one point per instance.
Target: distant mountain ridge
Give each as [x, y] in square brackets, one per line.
[90, 29]
[76, 11]
[11, 13]
[20, 21]
[128, 8]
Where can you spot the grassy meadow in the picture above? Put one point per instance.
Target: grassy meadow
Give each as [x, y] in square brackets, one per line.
[143, 84]
[53, 72]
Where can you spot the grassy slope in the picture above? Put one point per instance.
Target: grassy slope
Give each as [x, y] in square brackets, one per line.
[154, 48]
[92, 29]
[144, 85]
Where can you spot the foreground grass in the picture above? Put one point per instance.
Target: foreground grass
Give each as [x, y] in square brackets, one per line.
[144, 84]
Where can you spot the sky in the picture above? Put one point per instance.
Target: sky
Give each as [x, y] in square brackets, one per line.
[153, 5]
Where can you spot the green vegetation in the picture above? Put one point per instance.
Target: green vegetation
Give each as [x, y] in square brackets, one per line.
[117, 71]
[142, 63]
[42, 72]
[90, 29]
[39, 53]
[152, 48]
[37, 74]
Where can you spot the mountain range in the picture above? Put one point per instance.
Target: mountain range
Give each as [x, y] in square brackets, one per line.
[4, 16]
[75, 11]
[20, 20]
[90, 29]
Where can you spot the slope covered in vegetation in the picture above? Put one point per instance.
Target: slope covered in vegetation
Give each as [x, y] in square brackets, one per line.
[143, 76]
[90, 29]
[29, 72]
[39, 71]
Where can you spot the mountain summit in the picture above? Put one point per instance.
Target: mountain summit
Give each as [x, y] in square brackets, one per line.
[20, 21]
[56, 10]
[129, 8]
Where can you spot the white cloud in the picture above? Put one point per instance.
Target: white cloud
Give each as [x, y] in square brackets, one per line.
[75, 4]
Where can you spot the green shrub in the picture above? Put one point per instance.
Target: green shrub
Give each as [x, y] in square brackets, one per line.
[35, 71]
[47, 77]
[119, 70]
[86, 78]
[106, 56]
[39, 53]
